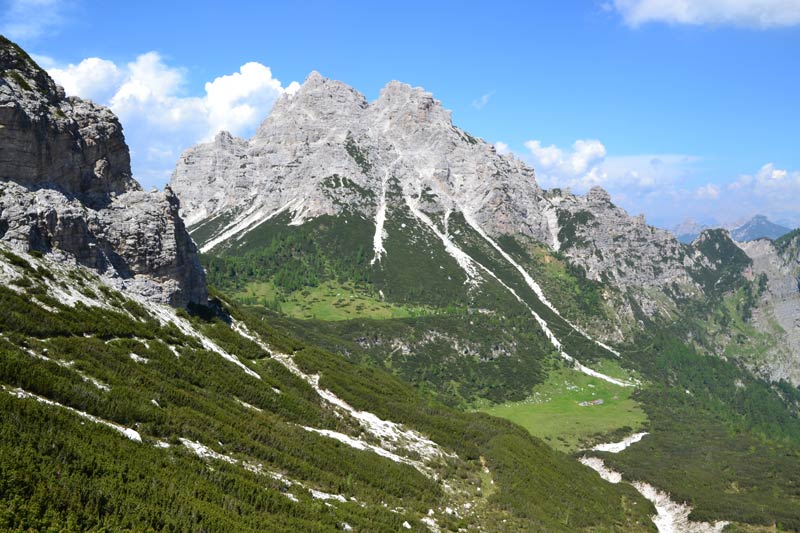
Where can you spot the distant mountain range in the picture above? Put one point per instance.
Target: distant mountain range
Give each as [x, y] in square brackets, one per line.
[758, 227]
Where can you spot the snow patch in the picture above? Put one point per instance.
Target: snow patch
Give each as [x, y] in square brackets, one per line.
[393, 436]
[167, 315]
[530, 281]
[247, 221]
[248, 406]
[616, 447]
[597, 464]
[380, 220]
[324, 496]
[671, 516]
[127, 432]
[139, 359]
[361, 445]
[205, 452]
[70, 364]
[430, 523]
[466, 263]
[551, 217]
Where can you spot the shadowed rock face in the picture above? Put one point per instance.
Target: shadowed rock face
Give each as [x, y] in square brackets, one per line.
[66, 187]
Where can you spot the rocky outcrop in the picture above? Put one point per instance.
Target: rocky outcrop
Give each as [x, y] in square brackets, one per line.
[778, 305]
[66, 187]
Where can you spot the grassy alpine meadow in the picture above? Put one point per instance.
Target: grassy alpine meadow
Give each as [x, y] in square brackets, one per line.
[571, 409]
[330, 300]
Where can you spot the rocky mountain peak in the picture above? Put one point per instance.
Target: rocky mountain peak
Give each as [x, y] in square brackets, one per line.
[758, 227]
[28, 75]
[325, 151]
[319, 104]
[599, 195]
[411, 107]
[49, 140]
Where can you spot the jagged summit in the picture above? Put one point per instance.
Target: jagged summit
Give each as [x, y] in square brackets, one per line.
[66, 187]
[50, 140]
[325, 150]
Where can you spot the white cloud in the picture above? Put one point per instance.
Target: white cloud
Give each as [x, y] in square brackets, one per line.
[159, 119]
[92, 78]
[480, 103]
[708, 191]
[587, 164]
[666, 187]
[744, 13]
[502, 148]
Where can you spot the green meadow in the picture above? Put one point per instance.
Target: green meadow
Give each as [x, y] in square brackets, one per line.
[330, 300]
[554, 412]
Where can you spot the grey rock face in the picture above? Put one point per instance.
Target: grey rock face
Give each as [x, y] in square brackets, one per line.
[614, 247]
[779, 304]
[49, 140]
[325, 150]
[66, 187]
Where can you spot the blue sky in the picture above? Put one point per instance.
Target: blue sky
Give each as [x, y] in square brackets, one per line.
[679, 108]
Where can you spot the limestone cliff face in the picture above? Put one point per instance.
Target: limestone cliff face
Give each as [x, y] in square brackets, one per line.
[66, 188]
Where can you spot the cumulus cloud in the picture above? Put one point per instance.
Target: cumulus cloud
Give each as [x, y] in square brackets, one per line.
[587, 164]
[92, 78]
[745, 13]
[159, 118]
[709, 191]
[29, 19]
[579, 163]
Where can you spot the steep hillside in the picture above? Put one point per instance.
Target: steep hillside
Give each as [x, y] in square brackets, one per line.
[228, 423]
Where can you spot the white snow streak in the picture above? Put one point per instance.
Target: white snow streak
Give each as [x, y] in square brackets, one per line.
[70, 364]
[167, 315]
[380, 220]
[132, 434]
[204, 452]
[392, 435]
[551, 217]
[247, 221]
[361, 445]
[616, 447]
[530, 281]
[470, 267]
[248, 406]
[319, 495]
[671, 517]
[139, 359]
[466, 263]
